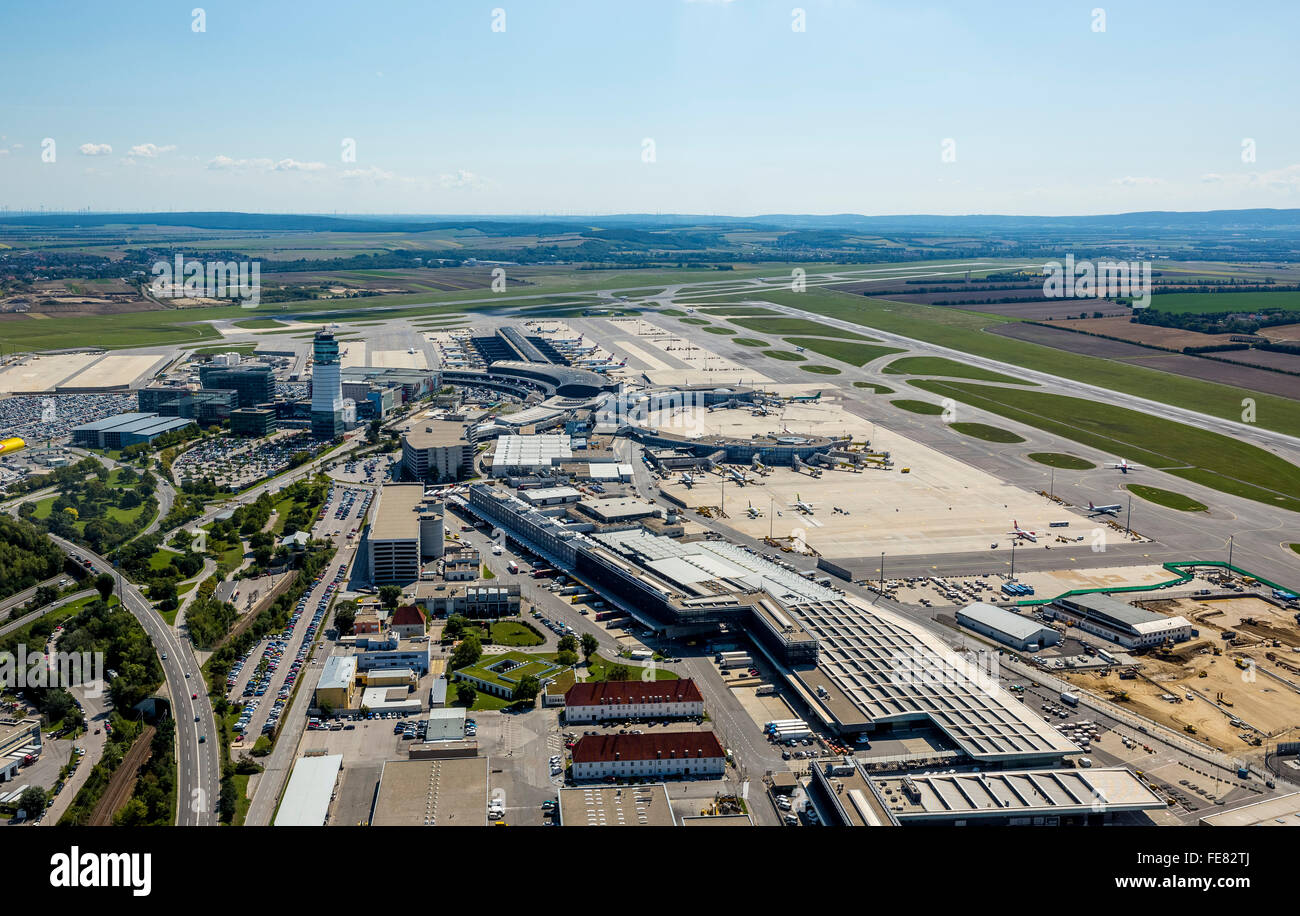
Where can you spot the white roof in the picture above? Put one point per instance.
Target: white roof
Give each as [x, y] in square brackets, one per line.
[307, 798]
[1160, 626]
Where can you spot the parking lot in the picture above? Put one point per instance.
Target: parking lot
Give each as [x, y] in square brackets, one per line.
[237, 462]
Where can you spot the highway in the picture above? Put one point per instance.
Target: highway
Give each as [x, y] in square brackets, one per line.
[19, 622]
[198, 765]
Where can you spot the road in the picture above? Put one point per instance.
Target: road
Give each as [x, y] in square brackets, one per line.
[19, 622]
[198, 767]
[28, 594]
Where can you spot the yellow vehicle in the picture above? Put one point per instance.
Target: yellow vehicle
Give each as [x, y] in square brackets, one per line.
[12, 444]
[906, 471]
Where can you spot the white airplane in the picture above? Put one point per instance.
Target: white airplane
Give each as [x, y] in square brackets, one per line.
[736, 476]
[688, 480]
[1124, 467]
[1019, 532]
[1112, 509]
[411, 350]
[805, 508]
[754, 513]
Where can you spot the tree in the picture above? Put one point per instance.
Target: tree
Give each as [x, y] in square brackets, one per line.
[566, 658]
[466, 694]
[345, 617]
[619, 672]
[104, 585]
[589, 645]
[527, 689]
[32, 801]
[372, 432]
[569, 643]
[455, 627]
[389, 595]
[46, 594]
[466, 653]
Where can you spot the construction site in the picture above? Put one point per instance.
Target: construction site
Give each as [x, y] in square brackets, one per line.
[1235, 686]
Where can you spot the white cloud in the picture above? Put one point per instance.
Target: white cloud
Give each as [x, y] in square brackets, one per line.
[461, 178]
[372, 173]
[1133, 181]
[1212, 178]
[95, 149]
[293, 165]
[150, 150]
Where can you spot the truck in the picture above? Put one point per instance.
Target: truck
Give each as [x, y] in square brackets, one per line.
[1069, 699]
[765, 690]
[512, 566]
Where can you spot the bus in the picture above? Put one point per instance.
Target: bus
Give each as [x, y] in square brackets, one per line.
[512, 566]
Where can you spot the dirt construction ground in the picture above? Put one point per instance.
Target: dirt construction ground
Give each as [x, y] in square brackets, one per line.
[942, 505]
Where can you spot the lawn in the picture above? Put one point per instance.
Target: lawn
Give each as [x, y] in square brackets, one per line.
[599, 669]
[749, 342]
[715, 329]
[922, 407]
[1217, 461]
[855, 354]
[253, 323]
[962, 330]
[514, 633]
[699, 321]
[938, 365]
[1167, 498]
[875, 389]
[986, 432]
[821, 370]
[785, 355]
[1062, 461]
[482, 700]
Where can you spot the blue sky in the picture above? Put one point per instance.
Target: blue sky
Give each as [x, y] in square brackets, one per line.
[747, 116]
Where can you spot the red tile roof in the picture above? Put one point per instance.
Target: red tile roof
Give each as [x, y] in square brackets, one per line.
[407, 615]
[599, 693]
[663, 745]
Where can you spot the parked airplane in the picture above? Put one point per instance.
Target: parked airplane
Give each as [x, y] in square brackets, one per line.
[754, 513]
[736, 476]
[688, 480]
[1124, 467]
[1019, 532]
[805, 398]
[1112, 509]
[805, 508]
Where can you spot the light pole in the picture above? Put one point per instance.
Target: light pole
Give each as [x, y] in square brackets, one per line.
[1128, 519]
[1230, 537]
[1013, 560]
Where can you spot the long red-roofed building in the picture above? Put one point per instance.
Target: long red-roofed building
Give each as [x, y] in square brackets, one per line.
[664, 754]
[598, 701]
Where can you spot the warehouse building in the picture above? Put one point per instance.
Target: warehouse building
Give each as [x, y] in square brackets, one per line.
[1120, 622]
[436, 792]
[528, 454]
[126, 429]
[337, 687]
[616, 806]
[1279, 811]
[663, 755]
[437, 450]
[19, 739]
[306, 801]
[404, 531]
[600, 701]
[1007, 627]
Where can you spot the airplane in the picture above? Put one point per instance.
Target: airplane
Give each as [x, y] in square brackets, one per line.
[805, 508]
[1112, 509]
[798, 349]
[1019, 532]
[688, 480]
[736, 476]
[805, 398]
[1124, 467]
[754, 513]
[411, 350]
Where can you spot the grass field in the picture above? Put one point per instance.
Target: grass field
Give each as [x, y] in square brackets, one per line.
[1220, 462]
[986, 432]
[715, 329]
[783, 326]
[699, 321]
[599, 669]
[962, 330]
[855, 354]
[514, 633]
[1062, 461]
[1167, 498]
[785, 355]
[922, 407]
[749, 342]
[874, 388]
[1210, 303]
[253, 323]
[736, 311]
[821, 370]
[949, 368]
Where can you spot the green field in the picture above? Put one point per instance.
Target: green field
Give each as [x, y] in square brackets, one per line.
[514, 633]
[785, 355]
[962, 330]
[1062, 461]
[735, 311]
[253, 323]
[986, 432]
[1167, 498]
[949, 368]
[875, 389]
[922, 407]
[821, 370]
[749, 342]
[699, 321]
[599, 670]
[855, 354]
[1219, 462]
[715, 329]
[1210, 303]
[783, 326]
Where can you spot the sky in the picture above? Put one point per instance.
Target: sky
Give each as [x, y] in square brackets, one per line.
[571, 107]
